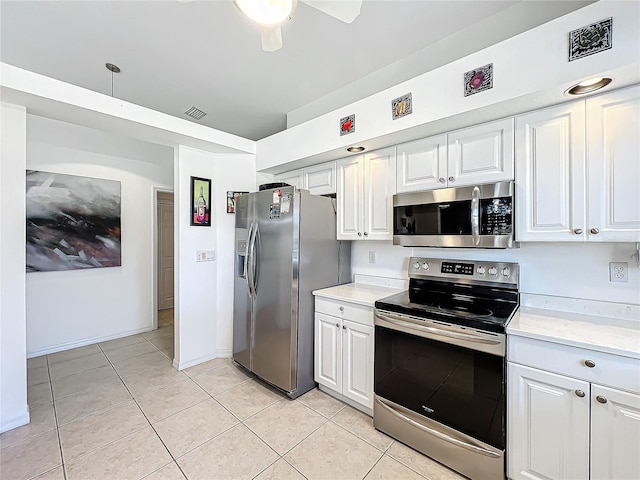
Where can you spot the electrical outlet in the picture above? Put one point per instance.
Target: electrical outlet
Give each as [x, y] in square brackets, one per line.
[618, 272]
[372, 257]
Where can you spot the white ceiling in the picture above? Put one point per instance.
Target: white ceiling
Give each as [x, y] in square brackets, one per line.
[205, 54]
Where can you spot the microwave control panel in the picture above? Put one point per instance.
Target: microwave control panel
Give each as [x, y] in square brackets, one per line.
[496, 216]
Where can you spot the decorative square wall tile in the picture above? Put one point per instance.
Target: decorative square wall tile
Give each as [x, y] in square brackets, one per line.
[401, 106]
[591, 39]
[478, 80]
[347, 125]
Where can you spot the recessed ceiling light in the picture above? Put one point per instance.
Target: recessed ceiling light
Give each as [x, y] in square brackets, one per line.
[355, 149]
[588, 86]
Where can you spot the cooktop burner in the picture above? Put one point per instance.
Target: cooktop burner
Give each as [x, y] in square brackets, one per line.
[478, 295]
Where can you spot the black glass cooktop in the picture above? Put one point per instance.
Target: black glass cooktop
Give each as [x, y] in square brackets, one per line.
[481, 307]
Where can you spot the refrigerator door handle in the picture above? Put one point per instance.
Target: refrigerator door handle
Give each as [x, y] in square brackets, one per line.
[255, 258]
[246, 260]
[252, 261]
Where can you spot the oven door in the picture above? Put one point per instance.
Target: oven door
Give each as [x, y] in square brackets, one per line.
[440, 388]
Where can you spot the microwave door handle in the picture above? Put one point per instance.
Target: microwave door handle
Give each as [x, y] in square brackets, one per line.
[475, 215]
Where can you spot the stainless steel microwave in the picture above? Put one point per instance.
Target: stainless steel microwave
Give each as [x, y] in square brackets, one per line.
[479, 216]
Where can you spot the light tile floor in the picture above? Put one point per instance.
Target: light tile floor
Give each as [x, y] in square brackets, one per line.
[118, 410]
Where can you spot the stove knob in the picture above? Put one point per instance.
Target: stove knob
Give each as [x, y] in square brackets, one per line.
[416, 265]
[506, 271]
[425, 266]
[481, 270]
[493, 271]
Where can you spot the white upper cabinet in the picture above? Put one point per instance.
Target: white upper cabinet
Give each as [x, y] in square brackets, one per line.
[472, 156]
[577, 171]
[481, 154]
[550, 174]
[294, 178]
[613, 128]
[318, 179]
[365, 188]
[422, 165]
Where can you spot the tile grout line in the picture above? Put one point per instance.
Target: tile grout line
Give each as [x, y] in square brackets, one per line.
[55, 414]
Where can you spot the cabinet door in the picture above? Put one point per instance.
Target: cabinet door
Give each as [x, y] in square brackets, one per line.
[358, 362]
[320, 179]
[328, 351]
[422, 165]
[547, 425]
[379, 187]
[293, 178]
[613, 123]
[615, 434]
[481, 154]
[550, 174]
[349, 198]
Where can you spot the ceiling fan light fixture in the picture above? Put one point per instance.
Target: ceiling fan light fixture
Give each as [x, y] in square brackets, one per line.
[266, 12]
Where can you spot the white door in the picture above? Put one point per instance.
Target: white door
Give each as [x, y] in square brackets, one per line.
[320, 179]
[349, 198]
[481, 154]
[422, 165]
[165, 250]
[613, 126]
[328, 351]
[358, 362]
[547, 425]
[615, 434]
[379, 187]
[550, 174]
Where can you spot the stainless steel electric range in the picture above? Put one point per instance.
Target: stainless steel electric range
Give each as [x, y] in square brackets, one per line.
[440, 368]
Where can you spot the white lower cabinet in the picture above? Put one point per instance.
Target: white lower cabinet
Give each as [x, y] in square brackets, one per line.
[343, 352]
[561, 427]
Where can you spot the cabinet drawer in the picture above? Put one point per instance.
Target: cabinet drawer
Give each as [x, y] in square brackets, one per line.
[609, 369]
[345, 310]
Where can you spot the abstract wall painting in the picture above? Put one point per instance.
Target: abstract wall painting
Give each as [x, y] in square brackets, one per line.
[594, 38]
[478, 80]
[73, 222]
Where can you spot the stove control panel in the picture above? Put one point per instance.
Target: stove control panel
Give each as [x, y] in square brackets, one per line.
[481, 271]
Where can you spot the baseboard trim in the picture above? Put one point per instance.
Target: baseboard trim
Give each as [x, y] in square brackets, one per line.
[15, 422]
[197, 361]
[86, 341]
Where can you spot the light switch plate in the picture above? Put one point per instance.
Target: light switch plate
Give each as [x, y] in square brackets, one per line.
[205, 256]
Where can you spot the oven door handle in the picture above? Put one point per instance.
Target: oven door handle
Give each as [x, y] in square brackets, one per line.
[475, 215]
[402, 322]
[436, 433]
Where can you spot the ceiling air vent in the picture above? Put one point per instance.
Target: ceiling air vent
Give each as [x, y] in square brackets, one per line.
[195, 113]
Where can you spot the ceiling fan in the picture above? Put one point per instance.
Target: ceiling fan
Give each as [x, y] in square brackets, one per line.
[270, 14]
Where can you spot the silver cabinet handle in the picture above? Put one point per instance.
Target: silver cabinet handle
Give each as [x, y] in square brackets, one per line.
[366, 234]
[452, 179]
[337, 325]
[341, 309]
[359, 234]
[595, 231]
[344, 327]
[580, 393]
[578, 231]
[589, 363]
[601, 399]
[441, 180]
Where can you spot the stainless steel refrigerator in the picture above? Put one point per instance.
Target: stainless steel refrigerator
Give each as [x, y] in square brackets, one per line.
[285, 247]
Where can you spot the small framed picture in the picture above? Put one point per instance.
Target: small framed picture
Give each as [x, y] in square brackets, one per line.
[594, 38]
[401, 106]
[200, 202]
[478, 80]
[231, 200]
[347, 125]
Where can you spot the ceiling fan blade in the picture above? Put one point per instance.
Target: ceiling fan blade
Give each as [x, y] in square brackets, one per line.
[271, 38]
[345, 10]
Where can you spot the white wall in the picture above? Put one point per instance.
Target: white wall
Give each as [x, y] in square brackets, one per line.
[575, 270]
[71, 308]
[530, 71]
[204, 305]
[13, 346]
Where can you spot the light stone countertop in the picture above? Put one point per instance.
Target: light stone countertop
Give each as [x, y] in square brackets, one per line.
[609, 335]
[359, 293]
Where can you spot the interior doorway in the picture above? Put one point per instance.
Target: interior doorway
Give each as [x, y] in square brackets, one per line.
[165, 258]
